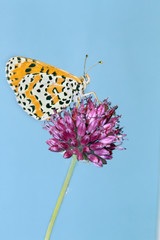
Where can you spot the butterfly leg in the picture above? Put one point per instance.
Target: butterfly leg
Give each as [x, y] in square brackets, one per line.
[78, 102]
[86, 94]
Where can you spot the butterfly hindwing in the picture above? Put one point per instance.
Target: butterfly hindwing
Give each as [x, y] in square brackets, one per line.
[39, 96]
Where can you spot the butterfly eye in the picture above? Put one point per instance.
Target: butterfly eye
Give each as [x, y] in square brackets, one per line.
[87, 78]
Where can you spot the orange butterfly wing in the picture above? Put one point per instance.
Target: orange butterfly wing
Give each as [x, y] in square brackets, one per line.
[18, 67]
[40, 87]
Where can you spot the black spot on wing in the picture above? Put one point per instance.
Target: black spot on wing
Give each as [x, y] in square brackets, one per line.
[78, 86]
[61, 102]
[48, 105]
[29, 100]
[33, 107]
[42, 69]
[55, 90]
[48, 97]
[32, 65]
[28, 70]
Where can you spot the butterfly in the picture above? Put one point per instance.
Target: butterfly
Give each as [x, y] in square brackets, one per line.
[41, 88]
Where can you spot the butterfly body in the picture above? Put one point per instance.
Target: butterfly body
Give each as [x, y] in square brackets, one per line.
[40, 88]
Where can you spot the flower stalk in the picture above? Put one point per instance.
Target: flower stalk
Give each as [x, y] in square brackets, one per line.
[61, 196]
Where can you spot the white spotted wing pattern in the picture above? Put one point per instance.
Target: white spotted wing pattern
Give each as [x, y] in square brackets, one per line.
[40, 88]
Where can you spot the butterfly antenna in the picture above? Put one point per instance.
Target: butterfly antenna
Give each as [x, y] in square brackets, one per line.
[85, 64]
[94, 65]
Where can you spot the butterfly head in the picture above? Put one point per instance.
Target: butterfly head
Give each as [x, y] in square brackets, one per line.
[87, 78]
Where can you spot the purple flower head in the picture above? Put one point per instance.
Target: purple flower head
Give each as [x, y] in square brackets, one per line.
[91, 131]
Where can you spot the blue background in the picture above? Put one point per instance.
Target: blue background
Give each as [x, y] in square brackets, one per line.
[120, 200]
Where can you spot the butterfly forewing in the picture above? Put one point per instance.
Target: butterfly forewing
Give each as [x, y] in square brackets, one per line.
[40, 88]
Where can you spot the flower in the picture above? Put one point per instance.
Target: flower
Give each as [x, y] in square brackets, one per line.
[91, 131]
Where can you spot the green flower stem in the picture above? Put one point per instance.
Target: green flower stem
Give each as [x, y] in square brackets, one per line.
[61, 196]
